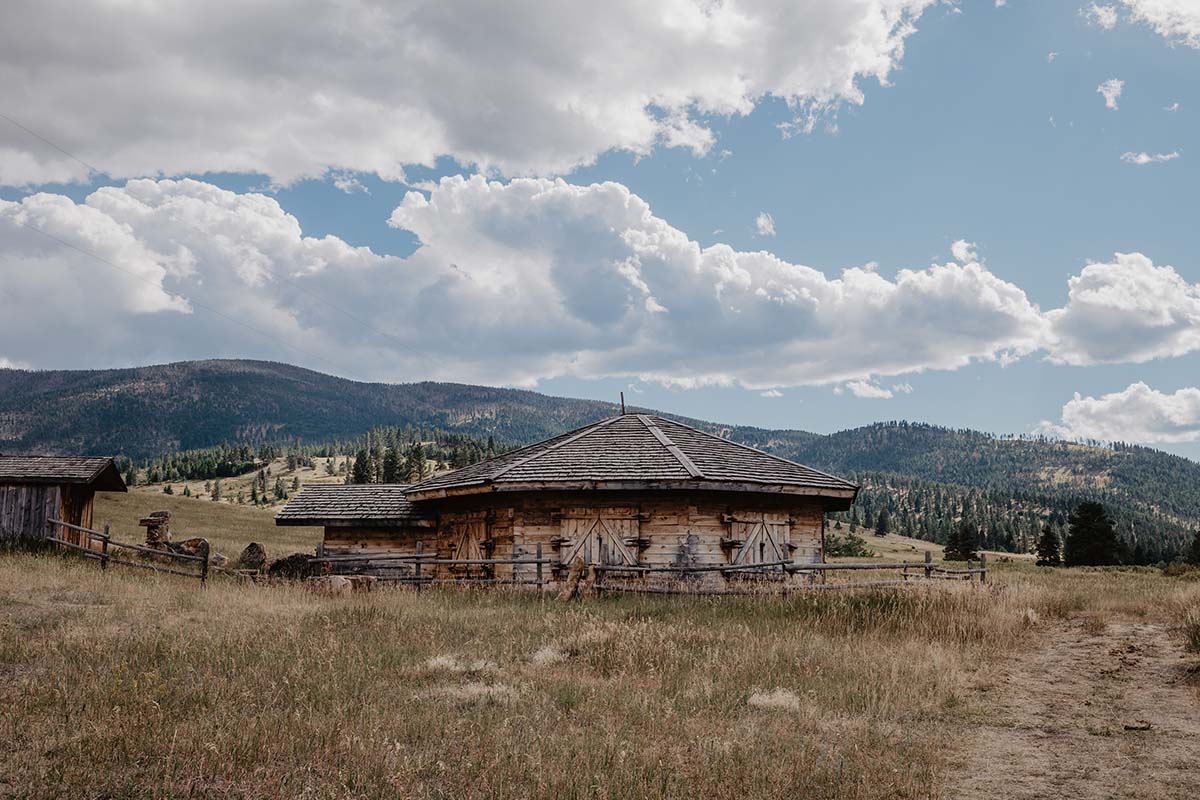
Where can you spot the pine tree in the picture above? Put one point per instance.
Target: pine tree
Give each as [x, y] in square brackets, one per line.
[296, 483]
[1192, 554]
[968, 541]
[1049, 551]
[1091, 537]
[361, 472]
[414, 462]
[168, 489]
[884, 525]
[280, 489]
[187, 492]
[254, 492]
[391, 466]
[216, 491]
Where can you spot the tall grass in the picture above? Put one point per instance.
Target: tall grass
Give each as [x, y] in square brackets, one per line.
[137, 685]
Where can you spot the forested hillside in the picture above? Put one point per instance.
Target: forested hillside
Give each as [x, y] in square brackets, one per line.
[928, 477]
[924, 477]
[146, 411]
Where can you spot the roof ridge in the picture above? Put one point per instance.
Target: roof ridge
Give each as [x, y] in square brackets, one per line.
[672, 448]
[760, 452]
[534, 456]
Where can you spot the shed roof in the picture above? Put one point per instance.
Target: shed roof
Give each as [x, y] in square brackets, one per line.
[351, 504]
[636, 451]
[98, 472]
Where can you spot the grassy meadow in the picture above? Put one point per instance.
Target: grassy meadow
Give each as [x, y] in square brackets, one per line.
[125, 684]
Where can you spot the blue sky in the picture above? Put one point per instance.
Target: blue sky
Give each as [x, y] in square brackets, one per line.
[978, 136]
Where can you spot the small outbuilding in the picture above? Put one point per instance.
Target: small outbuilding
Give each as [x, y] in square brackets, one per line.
[37, 489]
[629, 492]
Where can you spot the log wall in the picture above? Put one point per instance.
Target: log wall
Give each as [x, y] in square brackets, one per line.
[24, 512]
[613, 528]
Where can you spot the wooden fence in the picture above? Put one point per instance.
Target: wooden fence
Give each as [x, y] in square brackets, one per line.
[417, 562]
[543, 568]
[100, 546]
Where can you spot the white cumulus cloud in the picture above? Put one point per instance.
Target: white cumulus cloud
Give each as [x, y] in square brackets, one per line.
[1111, 90]
[518, 281]
[1136, 414]
[1176, 20]
[868, 390]
[1101, 15]
[301, 89]
[964, 252]
[764, 224]
[513, 282]
[1142, 159]
[1126, 310]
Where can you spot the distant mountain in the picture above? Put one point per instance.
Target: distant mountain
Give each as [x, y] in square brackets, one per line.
[926, 477]
[149, 410]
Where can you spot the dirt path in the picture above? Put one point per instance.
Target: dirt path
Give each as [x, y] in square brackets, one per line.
[1065, 720]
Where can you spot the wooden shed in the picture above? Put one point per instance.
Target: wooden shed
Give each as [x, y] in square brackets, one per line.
[629, 491]
[366, 518]
[36, 489]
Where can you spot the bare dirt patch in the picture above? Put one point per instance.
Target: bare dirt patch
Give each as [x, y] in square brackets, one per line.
[1088, 712]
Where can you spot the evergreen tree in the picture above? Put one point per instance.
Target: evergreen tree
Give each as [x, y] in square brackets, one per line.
[361, 473]
[391, 466]
[968, 541]
[187, 492]
[216, 491]
[1091, 537]
[414, 462]
[884, 524]
[168, 489]
[296, 483]
[1192, 554]
[280, 489]
[1049, 551]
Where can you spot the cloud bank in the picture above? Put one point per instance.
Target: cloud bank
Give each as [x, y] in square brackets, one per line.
[529, 279]
[1135, 414]
[302, 89]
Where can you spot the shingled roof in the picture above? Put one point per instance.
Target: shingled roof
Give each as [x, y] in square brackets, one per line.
[97, 471]
[636, 451]
[350, 504]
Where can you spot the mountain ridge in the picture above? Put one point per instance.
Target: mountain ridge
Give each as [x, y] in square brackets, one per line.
[146, 411]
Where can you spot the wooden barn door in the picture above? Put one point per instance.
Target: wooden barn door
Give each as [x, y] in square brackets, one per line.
[599, 539]
[471, 539]
[764, 538]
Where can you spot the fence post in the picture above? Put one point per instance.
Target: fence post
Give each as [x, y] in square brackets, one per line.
[515, 566]
[539, 565]
[417, 568]
[104, 549]
[928, 564]
[983, 567]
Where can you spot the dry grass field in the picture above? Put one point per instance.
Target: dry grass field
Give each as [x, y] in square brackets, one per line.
[228, 527]
[128, 684]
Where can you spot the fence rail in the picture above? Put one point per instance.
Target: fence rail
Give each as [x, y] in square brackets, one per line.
[105, 555]
[420, 560]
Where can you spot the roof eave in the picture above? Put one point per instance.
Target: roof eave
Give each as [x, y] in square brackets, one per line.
[748, 487]
[342, 522]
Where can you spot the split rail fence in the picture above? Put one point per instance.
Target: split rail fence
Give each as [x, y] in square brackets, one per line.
[414, 568]
[100, 546]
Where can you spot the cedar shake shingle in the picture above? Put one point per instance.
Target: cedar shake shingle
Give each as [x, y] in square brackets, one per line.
[633, 450]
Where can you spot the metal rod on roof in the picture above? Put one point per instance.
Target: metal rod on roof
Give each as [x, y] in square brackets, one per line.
[622, 403]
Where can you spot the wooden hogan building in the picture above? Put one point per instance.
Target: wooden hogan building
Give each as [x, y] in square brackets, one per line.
[635, 495]
[37, 489]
